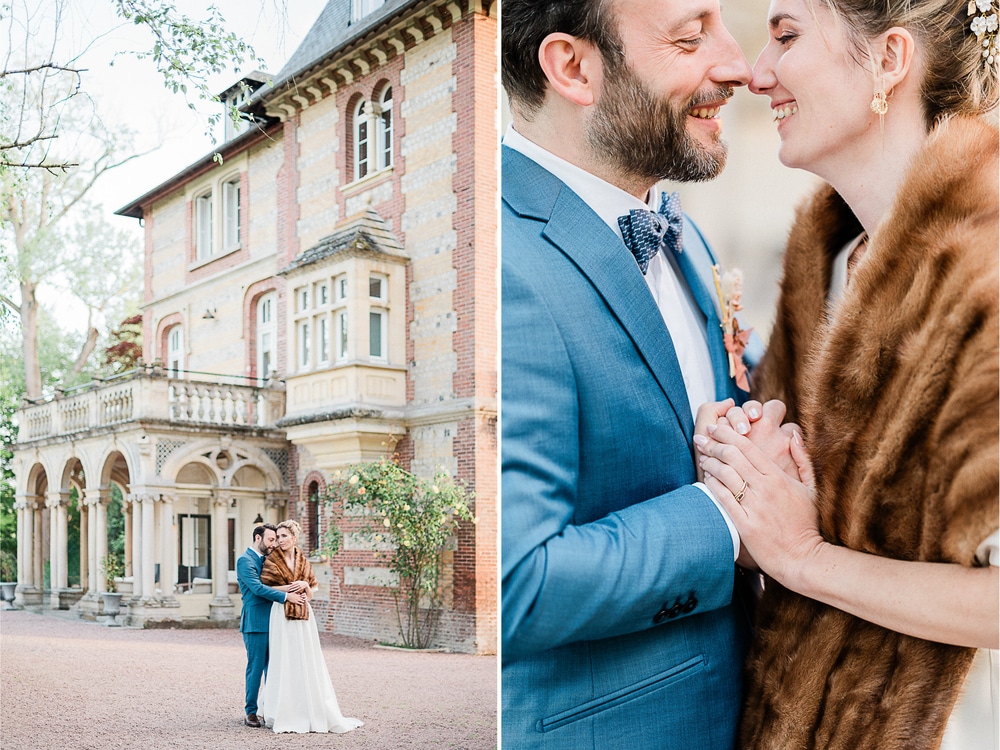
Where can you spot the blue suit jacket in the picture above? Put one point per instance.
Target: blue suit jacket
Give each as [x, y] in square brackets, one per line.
[257, 597]
[619, 626]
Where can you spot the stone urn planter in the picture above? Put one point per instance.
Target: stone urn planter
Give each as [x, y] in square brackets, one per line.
[7, 594]
[112, 603]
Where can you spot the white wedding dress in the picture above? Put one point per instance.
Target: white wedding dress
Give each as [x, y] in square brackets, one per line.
[297, 695]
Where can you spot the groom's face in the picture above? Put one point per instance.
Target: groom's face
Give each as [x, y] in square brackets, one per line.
[266, 542]
[658, 112]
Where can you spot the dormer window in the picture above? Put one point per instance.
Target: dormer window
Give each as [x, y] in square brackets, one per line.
[235, 98]
[361, 8]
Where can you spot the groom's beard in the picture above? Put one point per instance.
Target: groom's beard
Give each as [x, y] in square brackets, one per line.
[646, 136]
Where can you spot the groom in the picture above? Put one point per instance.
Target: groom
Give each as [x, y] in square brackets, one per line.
[255, 617]
[619, 624]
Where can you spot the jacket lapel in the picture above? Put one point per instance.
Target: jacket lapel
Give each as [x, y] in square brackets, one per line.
[696, 265]
[603, 259]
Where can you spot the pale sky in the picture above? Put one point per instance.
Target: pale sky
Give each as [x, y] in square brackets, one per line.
[131, 94]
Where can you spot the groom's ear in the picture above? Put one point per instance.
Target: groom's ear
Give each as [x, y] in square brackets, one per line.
[573, 67]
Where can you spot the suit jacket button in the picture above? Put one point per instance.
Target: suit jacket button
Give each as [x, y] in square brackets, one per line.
[661, 616]
[674, 611]
[691, 603]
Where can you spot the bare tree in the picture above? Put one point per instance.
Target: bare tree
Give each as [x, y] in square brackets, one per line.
[54, 147]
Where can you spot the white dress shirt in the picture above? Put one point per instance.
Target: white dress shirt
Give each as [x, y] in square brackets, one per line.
[685, 322]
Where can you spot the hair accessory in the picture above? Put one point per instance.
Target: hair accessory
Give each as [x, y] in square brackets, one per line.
[984, 26]
[879, 105]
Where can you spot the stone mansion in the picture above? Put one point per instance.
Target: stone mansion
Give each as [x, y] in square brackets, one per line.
[324, 293]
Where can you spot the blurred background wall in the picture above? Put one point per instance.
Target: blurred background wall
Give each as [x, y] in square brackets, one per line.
[747, 211]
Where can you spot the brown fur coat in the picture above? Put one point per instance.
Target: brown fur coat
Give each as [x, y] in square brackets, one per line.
[898, 401]
[277, 573]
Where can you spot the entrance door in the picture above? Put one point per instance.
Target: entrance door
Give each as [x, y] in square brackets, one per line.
[195, 541]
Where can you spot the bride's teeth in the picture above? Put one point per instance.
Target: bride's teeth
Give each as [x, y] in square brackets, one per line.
[780, 113]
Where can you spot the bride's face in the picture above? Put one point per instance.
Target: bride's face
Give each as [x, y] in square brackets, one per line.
[820, 91]
[285, 539]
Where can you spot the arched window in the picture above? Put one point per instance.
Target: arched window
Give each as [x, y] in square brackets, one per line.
[175, 351]
[384, 127]
[266, 335]
[361, 140]
[312, 516]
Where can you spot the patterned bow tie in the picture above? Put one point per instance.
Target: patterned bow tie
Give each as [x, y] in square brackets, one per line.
[645, 232]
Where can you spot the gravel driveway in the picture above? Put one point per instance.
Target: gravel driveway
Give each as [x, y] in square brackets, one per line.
[66, 684]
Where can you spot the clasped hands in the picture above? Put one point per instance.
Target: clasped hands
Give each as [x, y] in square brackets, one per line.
[297, 592]
[760, 471]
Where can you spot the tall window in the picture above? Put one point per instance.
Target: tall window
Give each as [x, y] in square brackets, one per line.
[175, 351]
[377, 318]
[203, 225]
[361, 8]
[377, 334]
[304, 345]
[231, 214]
[266, 335]
[322, 340]
[312, 516]
[384, 127]
[340, 343]
[361, 140]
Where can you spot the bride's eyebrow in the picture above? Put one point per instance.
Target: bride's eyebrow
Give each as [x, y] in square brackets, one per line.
[778, 18]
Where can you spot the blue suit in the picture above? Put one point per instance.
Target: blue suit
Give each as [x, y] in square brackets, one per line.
[619, 624]
[255, 620]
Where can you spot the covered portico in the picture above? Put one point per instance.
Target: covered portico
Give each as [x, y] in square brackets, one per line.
[182, 490]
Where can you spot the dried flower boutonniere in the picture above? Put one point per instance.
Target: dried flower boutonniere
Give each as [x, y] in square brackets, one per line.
[730, 289]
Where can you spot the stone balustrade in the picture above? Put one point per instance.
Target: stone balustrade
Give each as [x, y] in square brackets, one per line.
[151, 394]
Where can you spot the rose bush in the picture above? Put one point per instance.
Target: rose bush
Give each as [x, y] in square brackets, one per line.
[417, 517]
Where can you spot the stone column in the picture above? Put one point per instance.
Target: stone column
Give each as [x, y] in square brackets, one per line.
[127, 518]
[221, 607]
[22, 540]
[56, 554]
[135, 502]
[38, 553]
[100, 510]
[84, 510]
[62, 538]
[148, 542]
[22, 568]
[168, 547]
[95, 577]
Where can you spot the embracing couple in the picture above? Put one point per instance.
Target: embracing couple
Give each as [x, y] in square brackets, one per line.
[281, 638]
[645, 495]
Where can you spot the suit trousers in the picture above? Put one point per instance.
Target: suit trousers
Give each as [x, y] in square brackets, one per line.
[256, 644]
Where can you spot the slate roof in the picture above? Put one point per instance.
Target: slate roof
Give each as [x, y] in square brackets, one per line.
[368, 233]
[331, 32]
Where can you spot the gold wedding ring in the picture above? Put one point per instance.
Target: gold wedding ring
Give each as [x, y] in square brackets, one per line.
[738, 497]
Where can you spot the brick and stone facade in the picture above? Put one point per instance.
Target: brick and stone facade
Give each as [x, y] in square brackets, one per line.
[357, 286]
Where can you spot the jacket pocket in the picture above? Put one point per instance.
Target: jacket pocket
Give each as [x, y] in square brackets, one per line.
[624, 695]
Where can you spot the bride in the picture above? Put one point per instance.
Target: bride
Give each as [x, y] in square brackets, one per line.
[297, 695]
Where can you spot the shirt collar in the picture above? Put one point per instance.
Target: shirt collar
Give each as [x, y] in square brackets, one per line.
[251, 549]
[606, 200]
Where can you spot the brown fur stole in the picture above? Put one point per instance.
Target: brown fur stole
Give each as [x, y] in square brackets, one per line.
[277, 573]
[898, 400]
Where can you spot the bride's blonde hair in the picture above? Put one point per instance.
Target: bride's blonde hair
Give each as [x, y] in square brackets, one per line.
[293, 527]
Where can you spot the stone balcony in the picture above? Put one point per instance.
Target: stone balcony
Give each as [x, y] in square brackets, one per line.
[149, 394]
